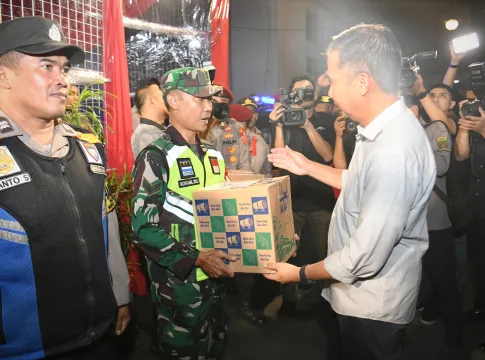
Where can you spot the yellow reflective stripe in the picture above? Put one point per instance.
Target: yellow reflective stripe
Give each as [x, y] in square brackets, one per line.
[200, 275]
[175, 231]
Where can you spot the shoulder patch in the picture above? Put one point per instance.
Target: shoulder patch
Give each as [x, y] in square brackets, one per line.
[442, 143]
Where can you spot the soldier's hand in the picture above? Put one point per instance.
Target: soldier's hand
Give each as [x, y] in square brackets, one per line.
[211, 262]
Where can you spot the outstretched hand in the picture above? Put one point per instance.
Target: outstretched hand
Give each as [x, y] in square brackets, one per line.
[285, 273]
[290, 160]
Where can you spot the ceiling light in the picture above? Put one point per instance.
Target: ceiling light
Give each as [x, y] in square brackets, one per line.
[456, 81]
[451, 24]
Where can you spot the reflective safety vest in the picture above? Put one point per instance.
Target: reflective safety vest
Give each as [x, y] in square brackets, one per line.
[188, 173]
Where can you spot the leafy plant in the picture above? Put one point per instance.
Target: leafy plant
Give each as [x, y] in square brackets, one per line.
[121, 188]
[87, 111]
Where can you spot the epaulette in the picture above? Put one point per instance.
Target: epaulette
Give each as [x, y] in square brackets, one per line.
[90, 138]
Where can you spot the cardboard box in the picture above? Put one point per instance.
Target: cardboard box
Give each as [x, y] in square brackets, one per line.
[251, 220]
[243, 175]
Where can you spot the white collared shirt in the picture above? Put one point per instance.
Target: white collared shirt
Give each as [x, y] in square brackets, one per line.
[378, 232]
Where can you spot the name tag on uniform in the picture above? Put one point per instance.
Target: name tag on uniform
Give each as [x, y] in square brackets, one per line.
[12, 181]
[189, 182]
[91, 153]
[98, 169]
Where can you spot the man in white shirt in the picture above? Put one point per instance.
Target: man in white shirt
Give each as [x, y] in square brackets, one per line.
[378, 233]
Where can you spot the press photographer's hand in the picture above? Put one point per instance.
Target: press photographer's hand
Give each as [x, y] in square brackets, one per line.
[418, 85]
[339, 126]
[307, 125]
[473, 123]
[455, 58]
[277, 112]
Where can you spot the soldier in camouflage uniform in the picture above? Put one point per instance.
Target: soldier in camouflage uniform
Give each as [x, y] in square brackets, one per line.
[189, 302]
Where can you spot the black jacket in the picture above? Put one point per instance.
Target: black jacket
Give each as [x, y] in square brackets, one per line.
[55, 288]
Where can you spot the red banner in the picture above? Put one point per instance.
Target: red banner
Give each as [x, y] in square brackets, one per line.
[115, 67]
[220, 40]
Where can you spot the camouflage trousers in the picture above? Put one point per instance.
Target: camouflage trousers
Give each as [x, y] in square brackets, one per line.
[192, 331]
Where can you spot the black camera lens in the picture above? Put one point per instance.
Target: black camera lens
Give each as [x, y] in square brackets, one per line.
[293, 115]
[220, 111]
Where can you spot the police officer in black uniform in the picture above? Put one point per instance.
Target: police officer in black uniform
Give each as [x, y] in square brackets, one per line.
[56, 298]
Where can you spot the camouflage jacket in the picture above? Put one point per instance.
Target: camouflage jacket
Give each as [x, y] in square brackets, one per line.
[171, 256]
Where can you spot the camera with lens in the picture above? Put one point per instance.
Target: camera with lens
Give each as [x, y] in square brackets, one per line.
[220, 110]
[350, 126]
[409, 69]
[477, 74]
[295, 116]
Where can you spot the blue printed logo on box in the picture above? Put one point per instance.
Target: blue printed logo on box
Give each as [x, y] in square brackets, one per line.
[233, 240]
[260, 205]
[202, 207]
[246, 223]
[283, 201]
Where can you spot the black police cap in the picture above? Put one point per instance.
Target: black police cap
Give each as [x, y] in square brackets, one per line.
[37, 35]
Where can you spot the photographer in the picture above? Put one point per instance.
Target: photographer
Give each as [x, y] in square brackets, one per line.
[440, 95]
[344, 142]
[470, 150]
[312, 201]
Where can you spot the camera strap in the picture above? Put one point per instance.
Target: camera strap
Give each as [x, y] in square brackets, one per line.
[443, 197]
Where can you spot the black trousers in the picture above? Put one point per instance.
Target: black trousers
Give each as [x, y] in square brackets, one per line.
[476, 256]
[100, 350]
[439, 265]
[368, 339]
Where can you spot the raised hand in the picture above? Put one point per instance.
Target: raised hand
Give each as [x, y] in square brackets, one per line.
[290, 160]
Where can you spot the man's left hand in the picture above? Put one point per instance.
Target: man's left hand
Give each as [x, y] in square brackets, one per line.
[418, 85]
[123, 319]
[285, 273]
[474, 123]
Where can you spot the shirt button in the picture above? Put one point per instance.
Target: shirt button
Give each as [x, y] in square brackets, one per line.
[478, 180]
[476, 194]
[481, 166]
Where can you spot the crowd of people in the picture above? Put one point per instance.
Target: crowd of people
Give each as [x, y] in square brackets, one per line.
[383, 179]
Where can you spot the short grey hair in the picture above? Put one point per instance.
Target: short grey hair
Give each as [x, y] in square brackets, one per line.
[372, 49]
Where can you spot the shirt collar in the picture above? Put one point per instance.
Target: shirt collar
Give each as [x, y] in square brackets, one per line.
[9, 128]
[152, 123]
[371, 131]
[178, 139]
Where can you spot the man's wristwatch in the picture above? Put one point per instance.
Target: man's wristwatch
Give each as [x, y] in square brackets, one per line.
[303, 278]
[422, 95]
[454, 66]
